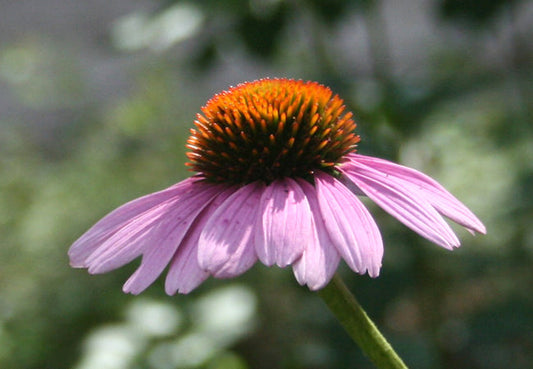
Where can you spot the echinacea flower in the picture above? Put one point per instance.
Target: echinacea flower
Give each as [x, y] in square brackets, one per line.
[277, 179]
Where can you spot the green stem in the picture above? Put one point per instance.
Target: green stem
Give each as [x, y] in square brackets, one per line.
[359, 326]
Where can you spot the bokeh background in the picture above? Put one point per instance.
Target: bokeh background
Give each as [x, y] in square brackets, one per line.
[96, 99]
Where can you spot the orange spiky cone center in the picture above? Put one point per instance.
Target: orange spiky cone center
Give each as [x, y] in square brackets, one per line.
[269, 129]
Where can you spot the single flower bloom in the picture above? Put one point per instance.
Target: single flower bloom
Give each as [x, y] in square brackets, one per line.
[277, 180]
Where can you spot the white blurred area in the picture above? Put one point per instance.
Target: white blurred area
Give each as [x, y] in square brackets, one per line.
[170, 337]
[140, 30]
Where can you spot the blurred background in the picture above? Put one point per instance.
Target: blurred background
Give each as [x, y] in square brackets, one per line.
[96, 99]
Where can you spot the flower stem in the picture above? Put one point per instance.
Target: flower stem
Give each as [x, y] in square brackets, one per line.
[359, 326]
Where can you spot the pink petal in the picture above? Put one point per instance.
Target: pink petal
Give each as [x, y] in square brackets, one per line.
[284, 225]
[127, 214]
[435, 194]
[401, 202]
[184, 273]
[320, 259]
[350, 226]
[226, 245]
[135, 236]
[127, 243]
[165, 236]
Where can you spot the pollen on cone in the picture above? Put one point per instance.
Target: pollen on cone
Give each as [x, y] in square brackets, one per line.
[269, 129]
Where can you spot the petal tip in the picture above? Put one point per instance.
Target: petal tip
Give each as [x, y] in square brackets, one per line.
[131, 288]
[481, 229]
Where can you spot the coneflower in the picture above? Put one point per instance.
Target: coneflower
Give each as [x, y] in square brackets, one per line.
[277, 180]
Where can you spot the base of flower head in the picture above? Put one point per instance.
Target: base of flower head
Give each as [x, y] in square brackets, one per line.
[200, 229]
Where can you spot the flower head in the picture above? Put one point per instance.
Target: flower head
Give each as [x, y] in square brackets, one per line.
[271, 129]
[277, 178]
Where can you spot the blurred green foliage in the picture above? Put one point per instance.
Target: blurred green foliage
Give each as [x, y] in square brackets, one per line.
[69, 154]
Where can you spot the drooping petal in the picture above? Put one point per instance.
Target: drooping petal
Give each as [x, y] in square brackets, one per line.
[136, 235]
[320, 259]
[284, 224]
[127, 243]
[401, 202]
[226, 245]
[163, 238]
[350, 226]
[184, 272]
[130, 215]
[431, 190]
